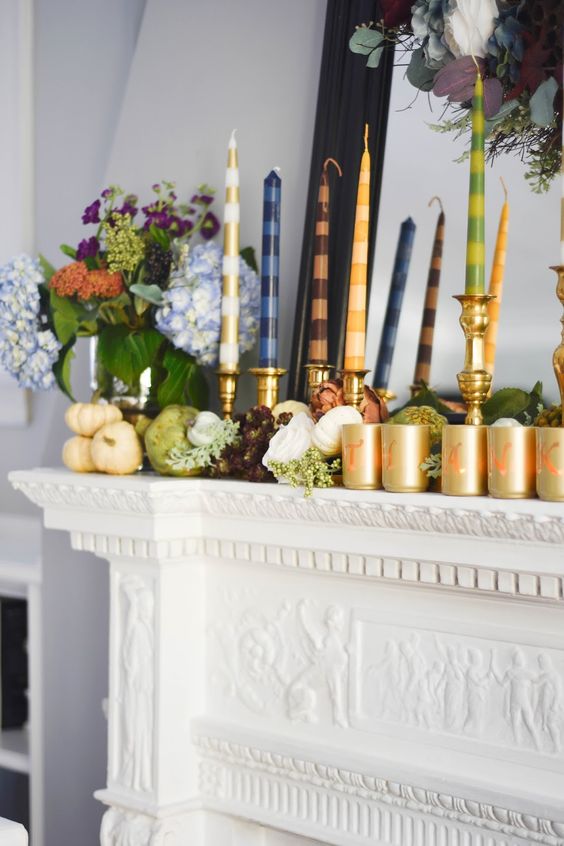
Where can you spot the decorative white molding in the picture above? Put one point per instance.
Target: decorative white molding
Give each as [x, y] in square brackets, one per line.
[183, 497]
[126, 547]
[500, 525]
[409, 570]
[351, 803]
[123, 828]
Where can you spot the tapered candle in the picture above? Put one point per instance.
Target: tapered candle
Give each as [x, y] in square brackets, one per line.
[562, 200]
[393, 309]
[229, 340]
[268, 348]
[355, 341]
[425, 349]
[318, 351]
[496, 284]
[475, 246]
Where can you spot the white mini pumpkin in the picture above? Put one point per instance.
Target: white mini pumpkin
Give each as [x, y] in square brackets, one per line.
[327, 434]
[201, 431]
[85, 418]
[77, 454]
[116, 449]
[290, 407]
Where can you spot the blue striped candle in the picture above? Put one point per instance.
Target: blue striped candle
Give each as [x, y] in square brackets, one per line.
[393, 309]
[268, 348]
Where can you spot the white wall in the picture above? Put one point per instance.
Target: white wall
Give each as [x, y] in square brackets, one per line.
[420, 163]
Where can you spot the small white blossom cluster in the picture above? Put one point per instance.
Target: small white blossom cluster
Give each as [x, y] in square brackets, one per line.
[28, 350]
[191, 314]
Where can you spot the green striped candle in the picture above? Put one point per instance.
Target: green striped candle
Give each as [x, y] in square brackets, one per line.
[475, 245]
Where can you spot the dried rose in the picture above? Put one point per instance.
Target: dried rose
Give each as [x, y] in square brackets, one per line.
[373, 408]
[327, 396]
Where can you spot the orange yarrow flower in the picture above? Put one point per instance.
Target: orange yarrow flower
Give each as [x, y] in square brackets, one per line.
[76, 279]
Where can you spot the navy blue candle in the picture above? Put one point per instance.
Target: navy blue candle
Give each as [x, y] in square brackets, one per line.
[390, 330]
[268, 348]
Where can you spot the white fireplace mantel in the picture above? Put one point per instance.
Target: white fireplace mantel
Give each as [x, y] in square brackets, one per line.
[356, 668]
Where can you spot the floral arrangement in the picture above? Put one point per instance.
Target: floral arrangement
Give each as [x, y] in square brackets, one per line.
[517, 46]
[136, 285]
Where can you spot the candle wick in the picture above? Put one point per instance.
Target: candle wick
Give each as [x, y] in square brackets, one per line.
[332, 161]
[365, 137]
[233, 140]
[504, 186]
[439, 201]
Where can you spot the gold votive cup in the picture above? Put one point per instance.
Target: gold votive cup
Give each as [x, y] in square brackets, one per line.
[511, 462]
[550, 463]
[404, 448]
[465, 460]
[362, 455]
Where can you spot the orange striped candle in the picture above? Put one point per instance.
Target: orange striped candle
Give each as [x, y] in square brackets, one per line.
[496, 284]
[356, 315]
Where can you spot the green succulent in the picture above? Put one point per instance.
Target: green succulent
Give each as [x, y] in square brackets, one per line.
[421, 415]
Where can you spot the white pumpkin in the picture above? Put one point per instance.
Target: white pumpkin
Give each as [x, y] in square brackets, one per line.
[77, 454]
[327, 434]
[85, 418]
[507, 421]
[290, 407]
[201, 431]
[116, 449]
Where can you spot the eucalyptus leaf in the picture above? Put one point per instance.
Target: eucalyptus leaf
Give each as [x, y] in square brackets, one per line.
[151, 293]
[418, 74]
[541, 104]
[365, 39]
[500, 116]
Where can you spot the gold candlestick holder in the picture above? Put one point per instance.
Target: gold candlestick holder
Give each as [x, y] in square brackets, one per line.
[353, 386]
[227, 378]
[316, 374]
[558, 357]
[267, 384]
[474, 380]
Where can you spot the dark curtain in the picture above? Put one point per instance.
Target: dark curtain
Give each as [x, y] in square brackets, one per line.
[350, 95]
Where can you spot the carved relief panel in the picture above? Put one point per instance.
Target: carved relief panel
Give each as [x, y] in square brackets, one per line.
[498, 692]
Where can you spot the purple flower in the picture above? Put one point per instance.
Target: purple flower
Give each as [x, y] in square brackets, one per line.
[107, 192]
[92, 212]
[128, 208]
[204, 199]
[156, 187]
[210, 226]
[87, 248]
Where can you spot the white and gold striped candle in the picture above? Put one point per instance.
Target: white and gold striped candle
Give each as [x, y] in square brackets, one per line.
[229, 341]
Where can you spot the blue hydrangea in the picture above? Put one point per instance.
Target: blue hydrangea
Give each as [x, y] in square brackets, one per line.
[28, 349]
[191, 314]
[428, 24]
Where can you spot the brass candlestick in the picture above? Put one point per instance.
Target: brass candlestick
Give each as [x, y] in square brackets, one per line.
[558, 357]
[227, 378]
[316, 374]
[474, 381]
[267, 384]
[353, 386]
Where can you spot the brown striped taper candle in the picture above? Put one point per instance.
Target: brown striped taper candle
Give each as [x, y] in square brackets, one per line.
[425, 349]
[355, 342]
[318, 351]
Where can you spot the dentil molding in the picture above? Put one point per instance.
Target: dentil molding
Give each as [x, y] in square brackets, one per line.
[353, 803]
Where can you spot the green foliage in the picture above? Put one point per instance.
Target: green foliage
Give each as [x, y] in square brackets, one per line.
[61, 369]
[427, 397]
[368, 42]
[433, 465]
[47, 268]
[126, 354]
[513, 402]
[188, 457]
[418, 73]
[68, 251]
[151, 293]
[248, 255]
[310, 471]
[184, 381]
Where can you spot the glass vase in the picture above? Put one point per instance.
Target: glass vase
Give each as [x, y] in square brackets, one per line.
[132, 399]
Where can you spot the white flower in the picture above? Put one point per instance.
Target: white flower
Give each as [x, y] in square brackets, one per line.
[290, 441]
[204, 429]
[468, 26]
